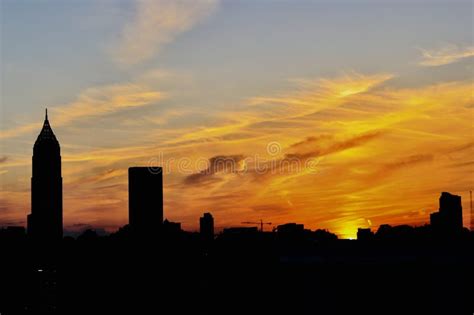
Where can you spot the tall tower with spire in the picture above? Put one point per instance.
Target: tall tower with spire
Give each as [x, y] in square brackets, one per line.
[45, 222]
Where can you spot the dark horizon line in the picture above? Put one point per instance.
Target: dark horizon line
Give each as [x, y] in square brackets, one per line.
[101, 232]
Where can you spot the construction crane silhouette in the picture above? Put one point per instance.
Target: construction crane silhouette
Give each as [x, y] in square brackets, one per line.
[261, 223]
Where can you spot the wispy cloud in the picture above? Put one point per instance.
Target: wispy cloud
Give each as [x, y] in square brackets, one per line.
[329, 147]
[380, 152]
[94, 102]
[309, 97]
[156, 23]
[445, 55]
[323, 93]
[408, 161]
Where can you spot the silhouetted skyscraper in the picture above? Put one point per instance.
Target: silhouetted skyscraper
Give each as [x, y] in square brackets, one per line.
[449, 218]
[206, 226]
[145, 199]
[46, 219]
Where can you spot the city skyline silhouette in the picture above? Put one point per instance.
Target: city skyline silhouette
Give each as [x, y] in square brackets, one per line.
[45, 273]
[236, 157]
[225, 164]
[146, 203]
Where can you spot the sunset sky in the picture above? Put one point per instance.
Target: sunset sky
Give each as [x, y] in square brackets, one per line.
[373, 98]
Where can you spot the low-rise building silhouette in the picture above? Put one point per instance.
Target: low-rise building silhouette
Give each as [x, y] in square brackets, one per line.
[240, 236]
[290, 228]
[13, 232]
[292, 232]
[240, 231]
[365, 234]
[171, 229]
[171, 226]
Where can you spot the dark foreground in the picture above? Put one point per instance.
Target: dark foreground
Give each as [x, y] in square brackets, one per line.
[254, 274]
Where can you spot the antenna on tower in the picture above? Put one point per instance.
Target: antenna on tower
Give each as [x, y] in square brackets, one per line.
[46, 117]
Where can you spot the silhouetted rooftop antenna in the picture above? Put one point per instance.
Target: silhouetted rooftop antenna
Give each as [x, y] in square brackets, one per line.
[46, 116]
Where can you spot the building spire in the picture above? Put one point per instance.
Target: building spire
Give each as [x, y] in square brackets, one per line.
[46, 132]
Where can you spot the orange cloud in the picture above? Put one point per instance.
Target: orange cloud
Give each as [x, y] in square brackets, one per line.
[312, 96]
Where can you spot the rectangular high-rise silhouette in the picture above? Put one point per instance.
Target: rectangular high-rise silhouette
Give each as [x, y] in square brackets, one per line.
[206, 226]
[145, 199]
[449, 218]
